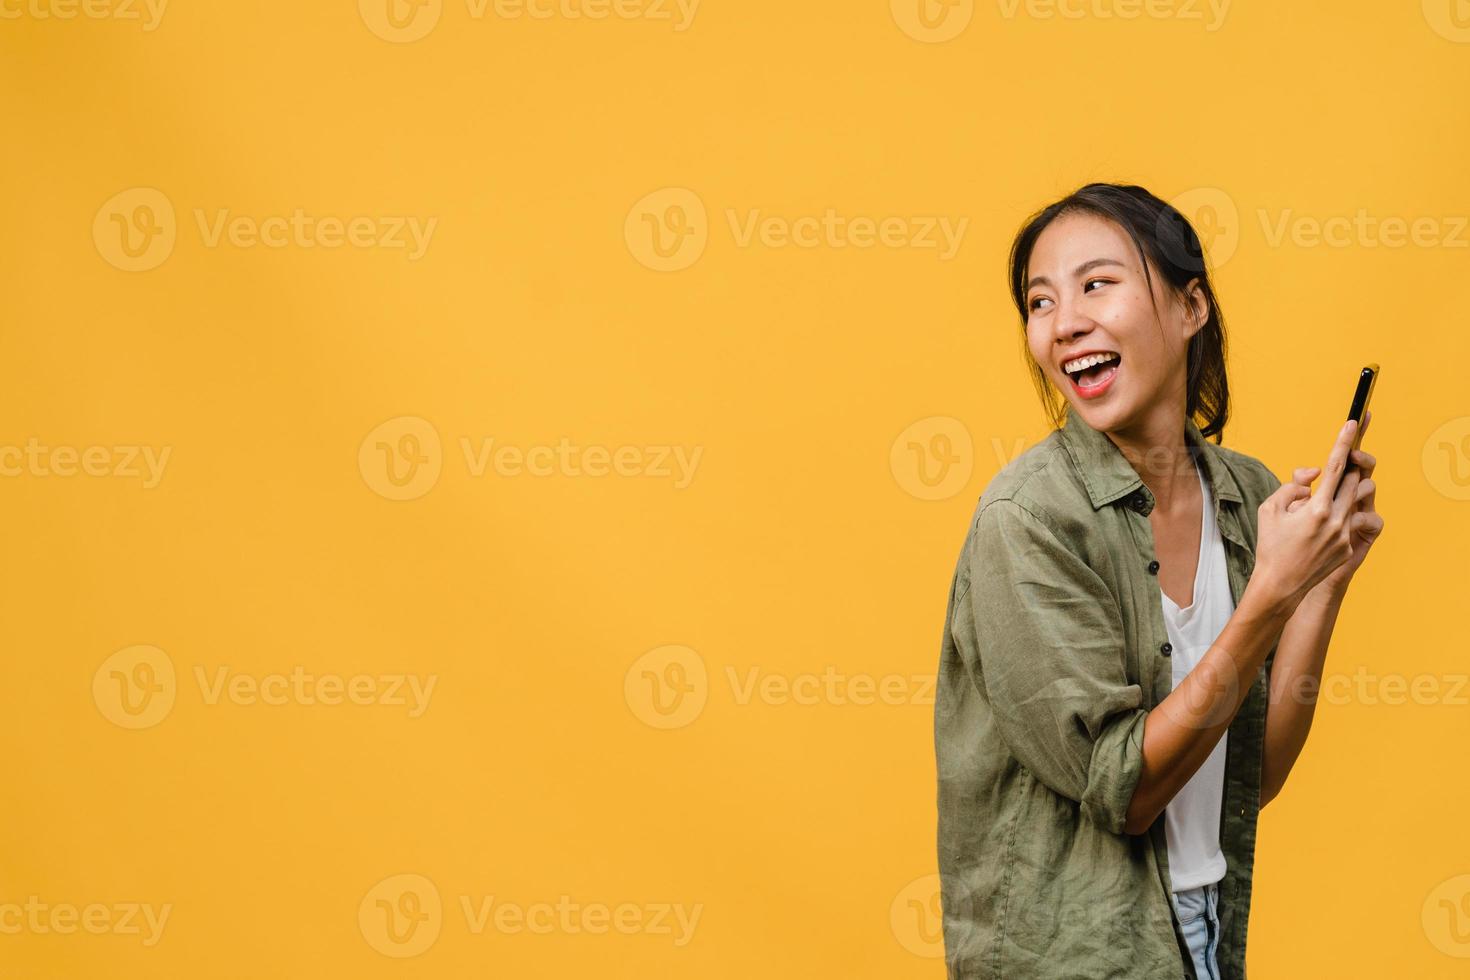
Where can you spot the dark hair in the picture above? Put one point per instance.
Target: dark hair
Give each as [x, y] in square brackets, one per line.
[1165, 239]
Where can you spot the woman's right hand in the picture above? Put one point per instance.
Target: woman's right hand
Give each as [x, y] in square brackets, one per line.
[1298, 546]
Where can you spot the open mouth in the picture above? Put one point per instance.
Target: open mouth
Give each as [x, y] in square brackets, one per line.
[1096, 374]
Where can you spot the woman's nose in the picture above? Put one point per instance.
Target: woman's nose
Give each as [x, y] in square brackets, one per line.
[1070, 322]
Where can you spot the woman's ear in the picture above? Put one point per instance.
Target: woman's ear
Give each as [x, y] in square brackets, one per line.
[1196, 308]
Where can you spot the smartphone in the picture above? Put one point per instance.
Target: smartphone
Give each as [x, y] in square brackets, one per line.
[1367, 378]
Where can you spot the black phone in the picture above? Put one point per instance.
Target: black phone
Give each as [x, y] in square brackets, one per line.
[1367, 378]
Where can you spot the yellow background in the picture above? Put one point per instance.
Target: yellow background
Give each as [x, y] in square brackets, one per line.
[803, 832]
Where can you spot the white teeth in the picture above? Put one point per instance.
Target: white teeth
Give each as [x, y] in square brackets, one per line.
[1082, 363]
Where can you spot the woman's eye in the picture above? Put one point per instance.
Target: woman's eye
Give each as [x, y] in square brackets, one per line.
[1039, 299]
[1091, 281]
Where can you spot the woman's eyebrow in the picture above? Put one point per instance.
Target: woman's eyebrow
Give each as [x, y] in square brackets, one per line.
[1087, 266]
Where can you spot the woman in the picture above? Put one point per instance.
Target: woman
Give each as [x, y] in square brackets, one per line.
[1128, 594]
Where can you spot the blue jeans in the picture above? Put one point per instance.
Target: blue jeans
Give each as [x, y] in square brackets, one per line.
[1198, 911]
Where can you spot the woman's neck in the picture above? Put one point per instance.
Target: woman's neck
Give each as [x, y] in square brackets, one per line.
[1159, 453]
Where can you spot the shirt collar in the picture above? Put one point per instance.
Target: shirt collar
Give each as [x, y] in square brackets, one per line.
[1108, 475]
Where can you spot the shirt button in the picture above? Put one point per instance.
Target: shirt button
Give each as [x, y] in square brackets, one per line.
[1139, 503]
[1153, 568]
[1167, 648]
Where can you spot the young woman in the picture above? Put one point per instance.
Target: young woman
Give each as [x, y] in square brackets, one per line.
[1130, 598]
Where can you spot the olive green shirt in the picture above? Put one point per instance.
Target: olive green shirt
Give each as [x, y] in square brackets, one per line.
[1054, 652]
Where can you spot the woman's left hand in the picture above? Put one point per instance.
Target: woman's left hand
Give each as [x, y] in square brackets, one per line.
[1366, 523]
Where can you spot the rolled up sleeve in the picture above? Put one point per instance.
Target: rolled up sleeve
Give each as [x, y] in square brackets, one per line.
[1050, 648]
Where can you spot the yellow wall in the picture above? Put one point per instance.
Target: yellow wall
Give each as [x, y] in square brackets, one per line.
[654, 547]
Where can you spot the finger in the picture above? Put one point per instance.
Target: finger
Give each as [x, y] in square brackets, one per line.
[1363, 462]
[1283, 495]
[1362, 428]
[1346, 499]
[1305, 475]
[1292, 494]
[1367, 526]
[1367, 495]
[1332, 473]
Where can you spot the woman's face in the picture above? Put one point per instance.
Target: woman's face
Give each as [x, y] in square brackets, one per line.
[1087, 293]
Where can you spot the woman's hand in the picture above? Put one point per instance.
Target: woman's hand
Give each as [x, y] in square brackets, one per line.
[1365, 522]
[1306, 538]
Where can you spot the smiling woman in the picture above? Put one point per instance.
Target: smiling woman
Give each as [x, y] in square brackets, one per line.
[1127, 591]
[1139, 236]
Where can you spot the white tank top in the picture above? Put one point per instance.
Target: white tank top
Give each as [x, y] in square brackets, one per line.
[1192, 818]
